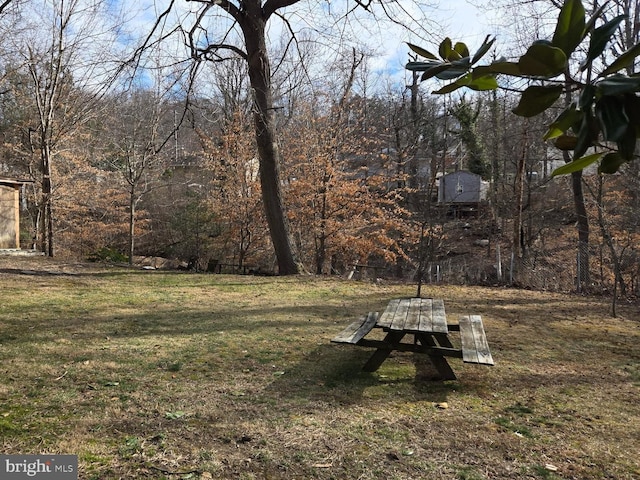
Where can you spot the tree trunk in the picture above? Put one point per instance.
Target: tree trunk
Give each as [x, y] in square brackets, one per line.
[582, 225]
[321, 238]
[132, 223]
[268, 151]
[47, 214]
[607, 238]
[518, 244]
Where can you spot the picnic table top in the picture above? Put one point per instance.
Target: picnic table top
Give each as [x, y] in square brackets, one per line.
[424, 315]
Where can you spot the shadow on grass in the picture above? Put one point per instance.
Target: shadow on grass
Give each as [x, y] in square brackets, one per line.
[137, 318]
[333, 374]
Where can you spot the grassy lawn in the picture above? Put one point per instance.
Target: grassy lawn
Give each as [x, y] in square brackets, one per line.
[173, 375]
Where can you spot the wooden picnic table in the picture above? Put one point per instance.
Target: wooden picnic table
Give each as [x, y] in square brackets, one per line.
[426, 321]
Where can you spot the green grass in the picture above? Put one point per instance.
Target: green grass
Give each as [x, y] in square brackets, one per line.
[174, 375]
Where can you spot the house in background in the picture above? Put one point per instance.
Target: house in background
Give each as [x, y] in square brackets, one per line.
[10, 212]
[462, 191]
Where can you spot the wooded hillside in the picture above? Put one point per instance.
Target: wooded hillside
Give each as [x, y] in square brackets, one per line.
[154, 168]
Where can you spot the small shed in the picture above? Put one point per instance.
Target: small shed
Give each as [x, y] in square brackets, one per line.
[460, 187]
[10, 212]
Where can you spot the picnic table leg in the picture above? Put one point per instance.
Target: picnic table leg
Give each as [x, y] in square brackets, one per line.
[443, 340]
[438, 361]
[381, 354]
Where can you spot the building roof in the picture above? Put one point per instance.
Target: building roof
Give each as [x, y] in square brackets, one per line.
[14, 181]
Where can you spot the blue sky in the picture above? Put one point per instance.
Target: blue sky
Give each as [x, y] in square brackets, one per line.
[455, 18]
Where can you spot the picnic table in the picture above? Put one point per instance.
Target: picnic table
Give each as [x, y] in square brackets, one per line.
[424, 319]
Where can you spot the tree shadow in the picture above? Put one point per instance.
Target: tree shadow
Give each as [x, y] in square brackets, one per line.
[333, 374]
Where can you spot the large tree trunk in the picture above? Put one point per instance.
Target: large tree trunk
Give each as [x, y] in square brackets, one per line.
[582, 223]
[47, 193]
[264, 123]
[583, 230]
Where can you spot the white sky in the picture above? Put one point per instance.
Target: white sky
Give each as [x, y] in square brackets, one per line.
[457, 19]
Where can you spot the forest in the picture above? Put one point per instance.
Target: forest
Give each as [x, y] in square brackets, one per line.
[205, 138]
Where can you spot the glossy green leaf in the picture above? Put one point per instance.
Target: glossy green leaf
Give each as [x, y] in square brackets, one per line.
[542, 60]
[452, 73]
[441, 70]
[536, 99]
[484, 48]
[566, 142]
[627, 144]
[488, 82]
[577, 165]
[421, 66]
[461, 82]
[612, 117]
[434, 71]
[563, 122]
[611, 163]
[618, 84]
[623, 61]
[592, 21]
[506, 68]
[464, 62]
[586, 134]
[479, 84]
[462, 49]
[586, 98]
[600, 37]
[570, 27]
[422, 52]
[445, 48]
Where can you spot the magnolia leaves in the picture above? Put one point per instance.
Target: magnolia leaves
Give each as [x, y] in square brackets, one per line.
[536, 99]
[542, 60]
[455, 62]
[607, 107]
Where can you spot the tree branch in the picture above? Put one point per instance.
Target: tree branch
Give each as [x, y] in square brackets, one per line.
[293, 40]
[271, 6]
[4, 5]
[224, 4]
[205, 53]
[147, 41]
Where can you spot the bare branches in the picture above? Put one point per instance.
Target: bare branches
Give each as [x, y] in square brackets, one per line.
[210, 52]
[137, 54]
[5, 4]
[293, 40]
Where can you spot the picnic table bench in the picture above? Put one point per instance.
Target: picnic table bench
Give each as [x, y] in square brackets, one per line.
[425, 320]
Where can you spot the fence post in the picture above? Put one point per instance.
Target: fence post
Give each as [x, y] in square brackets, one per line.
[513, 262]
[578, 272]
[498, 263]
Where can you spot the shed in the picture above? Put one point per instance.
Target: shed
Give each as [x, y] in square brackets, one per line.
[460, 187]
[10, 212]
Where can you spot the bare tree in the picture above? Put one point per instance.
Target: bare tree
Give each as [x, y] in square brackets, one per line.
[242, 33]
[57, 52]
[135, 140]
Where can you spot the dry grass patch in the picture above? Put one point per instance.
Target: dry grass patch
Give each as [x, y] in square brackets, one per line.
[169, 375]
